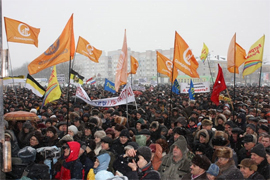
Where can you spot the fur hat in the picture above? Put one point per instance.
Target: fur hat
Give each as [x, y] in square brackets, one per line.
[249, 163]
[33, 110]
[145, 152]
[199, 147]
[73, 128]
[52, 129]
[100, 134]
[259, 150]
[179, 130]
[65, 139]
[220, 139]
[202, 161]
[225, 152]
[213, 170]
[207, 122]
[154, 124]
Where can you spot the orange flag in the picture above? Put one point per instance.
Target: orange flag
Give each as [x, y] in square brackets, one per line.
[86, 49]
[134, 65]
[236, 56]
[60, 51]
[184, 59]
[121, 69]
[165, 65]
[20, 32]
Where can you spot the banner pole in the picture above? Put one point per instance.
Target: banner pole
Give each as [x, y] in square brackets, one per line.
[230, 98]
[259, 91]
[68, 90]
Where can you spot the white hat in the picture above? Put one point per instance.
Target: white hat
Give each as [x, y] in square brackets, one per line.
[33, 110]
[73, 129]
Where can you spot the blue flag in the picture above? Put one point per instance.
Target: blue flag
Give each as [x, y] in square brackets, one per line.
[176, 87]
[109, 86]
[191, 91]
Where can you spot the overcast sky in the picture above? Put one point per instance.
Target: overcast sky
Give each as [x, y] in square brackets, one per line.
[150, 25]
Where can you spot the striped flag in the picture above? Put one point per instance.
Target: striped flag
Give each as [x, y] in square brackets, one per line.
[91, 79]
[33, 85]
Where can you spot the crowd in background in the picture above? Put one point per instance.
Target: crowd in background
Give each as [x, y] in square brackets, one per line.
[163, 136]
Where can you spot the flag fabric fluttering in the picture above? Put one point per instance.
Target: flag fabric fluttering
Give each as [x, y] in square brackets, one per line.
[176, 87]
[165, 65]
[13, 79]
[75, 77]
[86, 49]
[254, 57]
[53, 91]
[121, 69]
[184, 59]
[219, 86]
[204, 53]
[20, 32]
[33, 85]
[133, 65]
[236, 56]
[109, 86]
[90, 79]
[60, 51]
[191, 91]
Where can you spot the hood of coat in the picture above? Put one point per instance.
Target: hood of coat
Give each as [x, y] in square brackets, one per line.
[205, 132]
[74, 151]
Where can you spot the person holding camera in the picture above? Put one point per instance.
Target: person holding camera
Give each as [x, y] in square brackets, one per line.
[141, 164]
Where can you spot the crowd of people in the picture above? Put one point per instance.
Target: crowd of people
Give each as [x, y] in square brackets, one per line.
[165, 136]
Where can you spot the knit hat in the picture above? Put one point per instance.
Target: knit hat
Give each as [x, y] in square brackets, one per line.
[202, 161]
[73, 128]
[27, 154]
[125, 133]
[264, 127]
[207, 122]
[107, 139]
[131, 145]
[213, 170]
[145, 152]
[224, 152]
[100, 134]
[33, 110]
[41, 126]
[140, 121]
[52, 129]
[27, 125]
[249, 163]
[144, 132]
[182, 121]
[259, 150]
[251, 126]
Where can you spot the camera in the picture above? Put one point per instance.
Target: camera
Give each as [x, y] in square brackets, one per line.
[130, 159]
[50, 152]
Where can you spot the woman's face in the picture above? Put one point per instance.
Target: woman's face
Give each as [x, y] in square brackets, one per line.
[26, 130]
[138, 116]
[66, 150]
[96, 164]
[97, 140]
[87, 132]
[123, 139]
[222, 160]
[33, 141]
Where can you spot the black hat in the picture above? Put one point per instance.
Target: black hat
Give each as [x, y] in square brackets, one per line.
[145, 152]
[251, 126]
[230, 123]
[237, 130]
[199, 147]
[254, 119]
[259, 150]
[63, 123]
[219, 141]
[108, 140]
[52, 129]
[248, 138]
[264, 127]
[125, 133]
[193, 120]
[132, 144]
[202, 161]
[203, 134]
[144, 132]
[180, 131]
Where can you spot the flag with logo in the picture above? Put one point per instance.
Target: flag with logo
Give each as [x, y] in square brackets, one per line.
[53, 91]
[86, 49]
[204, 53]
[176, 87]
[236, 56]
[219, 86]
[60, 51]
[254, 57]
[121, 69]
[13, 79]
[109, 86]
[134, 65]
[191, 91]
[20, 32]
[75, 78]
[33, 85]
[165, 65]
[184, 59]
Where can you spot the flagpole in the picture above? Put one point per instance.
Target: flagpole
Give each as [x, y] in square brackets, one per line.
[157, 84]
[69, 65]
[234, 69]
[210, 69]
[230, 98]
[74, 56]
[259, 91]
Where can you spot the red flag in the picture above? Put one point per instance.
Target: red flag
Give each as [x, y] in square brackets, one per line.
[218, 86]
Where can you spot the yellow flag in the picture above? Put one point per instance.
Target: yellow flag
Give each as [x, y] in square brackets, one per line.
[60, 51]
[21, 32]
[165, 65]
[184, 59]
[121, 69]
[204, 53]
[254, 57]
[134, 65]
[236, 56]
[53, 91]
[86, 49]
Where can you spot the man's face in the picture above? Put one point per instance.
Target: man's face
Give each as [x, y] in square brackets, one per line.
[177, 152]
[249, 145]
[202, 139]
[246, 171]
[266, 141]
[249, 130]
[256, 158]
[105, 146]
[196, 170]
[123, 139]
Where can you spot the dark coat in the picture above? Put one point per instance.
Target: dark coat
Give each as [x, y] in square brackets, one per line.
[118, 147]
[264, 169]
[256, 175]
[146, 173]
[121, 165]
[201, 177]
[229, 171]
[242, 154]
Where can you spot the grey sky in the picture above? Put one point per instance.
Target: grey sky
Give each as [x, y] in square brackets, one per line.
[150, 25]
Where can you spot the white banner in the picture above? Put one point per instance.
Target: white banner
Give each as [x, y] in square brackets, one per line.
[202, 87]
[126, 96]
[138, 88]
